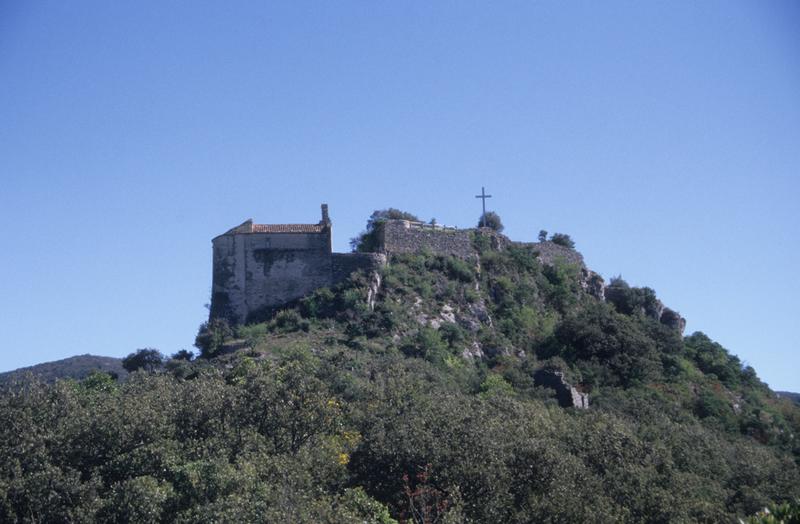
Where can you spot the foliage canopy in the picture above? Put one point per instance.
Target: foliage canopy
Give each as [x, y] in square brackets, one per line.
[422, 407]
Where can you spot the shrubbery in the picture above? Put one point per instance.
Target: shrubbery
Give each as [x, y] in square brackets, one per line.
[562, 239]
[211, 336]
[491, 220]
[340, 413]
[148, 359]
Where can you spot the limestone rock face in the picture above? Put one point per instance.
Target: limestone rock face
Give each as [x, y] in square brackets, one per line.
[594, 284]
[568, 396]
[473, 351]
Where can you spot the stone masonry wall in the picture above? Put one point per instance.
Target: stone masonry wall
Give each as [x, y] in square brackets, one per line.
[549, 252]
[402, 236]
[257, 270]
[344, 264]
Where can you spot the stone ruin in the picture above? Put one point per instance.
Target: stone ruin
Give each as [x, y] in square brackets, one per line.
[258, 267]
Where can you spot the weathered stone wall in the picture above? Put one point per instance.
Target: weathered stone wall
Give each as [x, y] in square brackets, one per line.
[257, 270]
[345, 264]
[402, 236]
[550, 252]
[567, 395]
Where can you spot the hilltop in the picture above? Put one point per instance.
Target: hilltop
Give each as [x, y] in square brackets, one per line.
[787, 394]
[77, 367]
[513, 386]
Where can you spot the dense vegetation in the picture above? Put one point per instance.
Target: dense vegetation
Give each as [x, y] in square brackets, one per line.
[421, 409]
[491, 220]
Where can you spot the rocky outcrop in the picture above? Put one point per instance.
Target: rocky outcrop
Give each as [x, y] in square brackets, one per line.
[550, 252]
[593, 284]
[568, 396]
[673, 319]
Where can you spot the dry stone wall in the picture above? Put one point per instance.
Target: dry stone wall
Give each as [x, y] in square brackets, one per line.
[402, 236]
[550, 252]
[345, 264]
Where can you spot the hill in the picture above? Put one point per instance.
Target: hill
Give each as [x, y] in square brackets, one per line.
[77, 367]
[414, 394]
[791, 396]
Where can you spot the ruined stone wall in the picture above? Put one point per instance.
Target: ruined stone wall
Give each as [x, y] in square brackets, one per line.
[549, 252]
[567, 395]
[254, 271]
[257, 270]
[402, 236]
[345, 264]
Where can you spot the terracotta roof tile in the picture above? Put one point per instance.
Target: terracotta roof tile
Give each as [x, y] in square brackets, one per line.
[248, 227]
[287, 228]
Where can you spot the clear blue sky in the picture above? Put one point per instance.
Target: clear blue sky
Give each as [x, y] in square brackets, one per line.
[663, 136]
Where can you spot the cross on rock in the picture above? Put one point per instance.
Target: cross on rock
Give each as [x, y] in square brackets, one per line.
[483, 196]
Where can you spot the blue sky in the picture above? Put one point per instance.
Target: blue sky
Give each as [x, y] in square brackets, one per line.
[664, 137]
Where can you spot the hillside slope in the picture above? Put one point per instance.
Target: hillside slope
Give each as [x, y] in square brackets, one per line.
[791, 396]
[77, 367]
[412, 395]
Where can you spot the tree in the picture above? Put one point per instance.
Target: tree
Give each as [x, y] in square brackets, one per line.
[562, 240]
[211, 336]
[542, 236]
[148, 359]
[367, 240]
[633, 300]
[491, 220]
[183, 354]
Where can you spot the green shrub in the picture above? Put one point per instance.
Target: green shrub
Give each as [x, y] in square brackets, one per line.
[495, 385]
[459, 269]
[211, 336]
[428, 344]
[491, 220]
[786, 513]
[562, 240]
[287, 321]
[711, 358]
[321, 304]
[632, 300]
[148, 359]
[253, 333]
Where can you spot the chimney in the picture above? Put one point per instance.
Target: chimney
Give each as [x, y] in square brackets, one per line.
[325, 218]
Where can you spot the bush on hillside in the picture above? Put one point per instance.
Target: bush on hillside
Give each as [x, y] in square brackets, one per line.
[632, 300]
[148, 359]
[562, 239]
[183, 354]
[491, 220]
[211, 336]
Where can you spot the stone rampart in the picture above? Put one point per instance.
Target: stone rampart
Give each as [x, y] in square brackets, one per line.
[345, 264]
[403, 236]
[550, 252]
[258, 267]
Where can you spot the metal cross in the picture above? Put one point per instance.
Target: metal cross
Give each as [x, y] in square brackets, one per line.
[483, 196]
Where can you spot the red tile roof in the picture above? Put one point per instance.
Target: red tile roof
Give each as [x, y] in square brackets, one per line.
[249, 227]
[287, 228]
